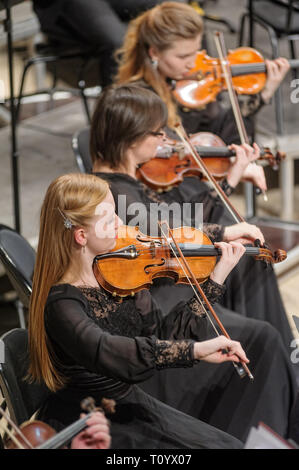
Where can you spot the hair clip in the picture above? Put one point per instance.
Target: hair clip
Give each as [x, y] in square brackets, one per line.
[67, 222]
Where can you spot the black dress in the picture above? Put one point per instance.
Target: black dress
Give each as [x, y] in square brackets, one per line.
[105, 346]
[251, 288]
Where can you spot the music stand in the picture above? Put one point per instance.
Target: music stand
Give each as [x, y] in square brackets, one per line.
[6, 5]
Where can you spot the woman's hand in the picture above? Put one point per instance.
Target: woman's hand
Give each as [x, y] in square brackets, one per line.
[256, 175]
[220, 349]
[245, 154]
[243, 233]
[231, 254]
[276, 71]
[96, 435]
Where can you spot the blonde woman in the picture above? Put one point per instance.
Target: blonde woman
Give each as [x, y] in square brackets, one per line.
[160, 48]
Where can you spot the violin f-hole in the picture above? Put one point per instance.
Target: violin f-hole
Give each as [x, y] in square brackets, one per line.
[146, 268]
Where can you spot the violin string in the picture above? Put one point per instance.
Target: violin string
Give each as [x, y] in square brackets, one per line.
[220, 45]
[6, 430]
[15, 427]
[214, 327]
[254, 251]
[180, 133]
[192, 287]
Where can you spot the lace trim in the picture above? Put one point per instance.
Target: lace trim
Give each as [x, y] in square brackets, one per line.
[100, 302]
[174, 354]
[196, 307]
[152, 194]
[113, 315]
[251, 104]
[213, 292]
[227, 188]
[214, 232]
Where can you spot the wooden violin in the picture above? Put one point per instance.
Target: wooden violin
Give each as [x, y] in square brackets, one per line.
[39, 435]
[174, 162]
[206, 79]
[137, 259]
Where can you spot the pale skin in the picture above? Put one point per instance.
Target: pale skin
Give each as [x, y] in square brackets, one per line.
[100, 236]
[142, 151]
[177, 61]
[96, 435]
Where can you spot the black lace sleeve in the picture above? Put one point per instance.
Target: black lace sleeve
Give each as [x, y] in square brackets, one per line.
[214, 232]
[213, 292]
[251, 104]
[79, 340]
[227, 188]
[174, 354]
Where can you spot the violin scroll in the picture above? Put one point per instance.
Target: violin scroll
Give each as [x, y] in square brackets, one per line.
[273, 160]
[266, 255]
[107, 405]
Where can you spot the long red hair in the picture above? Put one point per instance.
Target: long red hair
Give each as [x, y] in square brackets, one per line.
[74, 196]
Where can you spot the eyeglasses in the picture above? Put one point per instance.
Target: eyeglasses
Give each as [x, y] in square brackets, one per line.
[157, 133]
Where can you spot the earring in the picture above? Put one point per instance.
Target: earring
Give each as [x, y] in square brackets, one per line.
[155, 63]
[83, 248]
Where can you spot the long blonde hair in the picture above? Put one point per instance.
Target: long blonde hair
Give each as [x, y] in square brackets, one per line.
[159, 27]
[73, 197]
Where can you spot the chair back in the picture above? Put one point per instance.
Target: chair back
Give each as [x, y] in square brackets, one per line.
[290, 7]
[80, 146]
[21, 398]
[18, 258]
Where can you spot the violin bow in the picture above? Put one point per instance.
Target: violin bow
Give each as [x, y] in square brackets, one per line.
[241, 367]
[221, 49]
[233, 211]
[16, 429]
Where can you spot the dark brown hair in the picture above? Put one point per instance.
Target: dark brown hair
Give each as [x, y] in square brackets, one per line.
[123, 115]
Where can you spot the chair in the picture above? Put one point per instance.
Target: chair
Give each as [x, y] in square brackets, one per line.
[80, 146]
[21, 398]
[280, 18]
[53, 52]
[18, 259]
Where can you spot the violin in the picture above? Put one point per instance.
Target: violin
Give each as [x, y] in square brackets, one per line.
[174, 162]
[137, 259]
[38, 435]
[206, 79]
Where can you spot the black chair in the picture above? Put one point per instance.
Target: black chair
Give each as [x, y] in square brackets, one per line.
[52, 53]
[280, 18]
[201, 5]
[80, 146]
[18, 259]
[21, 398]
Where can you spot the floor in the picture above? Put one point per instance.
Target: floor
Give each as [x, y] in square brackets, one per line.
[44, 144]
